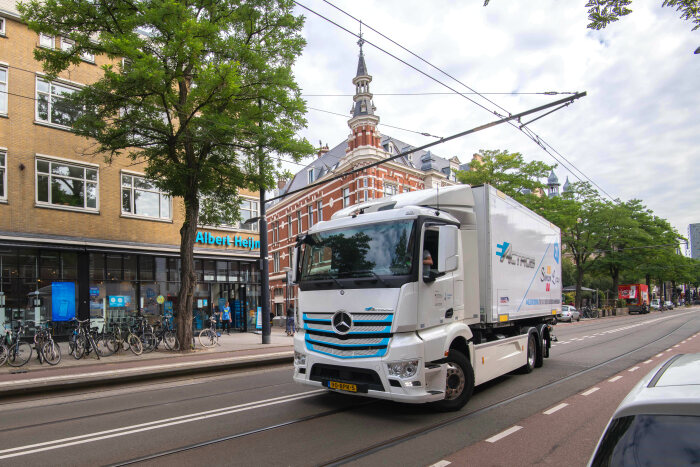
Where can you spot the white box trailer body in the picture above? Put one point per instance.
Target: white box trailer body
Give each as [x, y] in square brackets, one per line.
[519, 259]
[481, 310]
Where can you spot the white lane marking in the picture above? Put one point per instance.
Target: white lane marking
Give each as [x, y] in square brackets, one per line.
[589, 392]
[659, 354]
[565, 342]
[503, 434]
[140, 369]
[442, 463]
[634, 368]
[556, 408]
[612, 380]
[648, 361]
[677, 345]
[113, 433]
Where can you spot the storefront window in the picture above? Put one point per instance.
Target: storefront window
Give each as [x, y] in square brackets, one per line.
[221, 267]
[209, 270]
[97, 266]
[147, 268]
[69, 264]
[113, 263]
[130, 267]
[161, 269]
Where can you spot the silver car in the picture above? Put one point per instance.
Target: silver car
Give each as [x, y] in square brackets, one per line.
[568, 313]
[658, 423]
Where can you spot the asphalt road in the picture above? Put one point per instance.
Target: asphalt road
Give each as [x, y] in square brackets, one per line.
[261, 418]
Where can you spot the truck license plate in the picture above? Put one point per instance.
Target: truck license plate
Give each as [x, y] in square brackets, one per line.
[342, 386]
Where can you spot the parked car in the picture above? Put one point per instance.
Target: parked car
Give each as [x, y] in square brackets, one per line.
[656, 305]
[658, 423]
[669, 305]
[568, 313]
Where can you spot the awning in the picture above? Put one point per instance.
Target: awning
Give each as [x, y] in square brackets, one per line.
[572, 288]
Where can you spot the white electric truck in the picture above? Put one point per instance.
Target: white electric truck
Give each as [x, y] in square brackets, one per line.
[419, 297]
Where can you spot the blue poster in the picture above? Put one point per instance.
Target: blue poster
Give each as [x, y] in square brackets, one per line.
[168, 306]
[116, 301]
[62, 301]
[94, 291]
[258, 319]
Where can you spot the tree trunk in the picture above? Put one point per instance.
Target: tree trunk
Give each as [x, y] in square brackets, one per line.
[648, 280]
[188, 279]
[579, 283]
[615, 275]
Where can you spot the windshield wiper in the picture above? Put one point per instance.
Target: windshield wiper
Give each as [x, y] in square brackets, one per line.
[328, 276]
[376, 276]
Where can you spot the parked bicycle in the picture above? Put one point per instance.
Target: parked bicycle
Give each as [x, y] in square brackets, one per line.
[47, 349]
[125, 339]
[3, 348]
[82, 341]
[165, 333]
[209, 337]
[19, 351]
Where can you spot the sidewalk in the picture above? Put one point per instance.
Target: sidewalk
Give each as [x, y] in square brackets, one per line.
[236, 351]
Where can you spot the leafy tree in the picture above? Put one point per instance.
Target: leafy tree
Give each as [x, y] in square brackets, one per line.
[603, 12]
[200, 91]
[507, 172]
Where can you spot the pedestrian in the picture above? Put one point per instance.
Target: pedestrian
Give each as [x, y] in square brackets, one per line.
[225, 316]
[290, 321]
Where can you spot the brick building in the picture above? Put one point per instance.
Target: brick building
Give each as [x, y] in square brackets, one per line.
[80, 237]
[297, 212]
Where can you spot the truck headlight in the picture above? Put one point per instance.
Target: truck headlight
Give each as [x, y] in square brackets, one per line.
[403, 369]
[299, 359]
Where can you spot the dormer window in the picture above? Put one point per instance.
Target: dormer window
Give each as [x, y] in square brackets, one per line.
[311, 175]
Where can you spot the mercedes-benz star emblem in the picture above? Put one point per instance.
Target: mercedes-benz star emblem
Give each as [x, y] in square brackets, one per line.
[342, 322]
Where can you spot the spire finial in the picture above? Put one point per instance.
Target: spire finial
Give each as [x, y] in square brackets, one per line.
[361, 41]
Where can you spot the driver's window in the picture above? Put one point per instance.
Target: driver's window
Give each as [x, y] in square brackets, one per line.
[429, 253]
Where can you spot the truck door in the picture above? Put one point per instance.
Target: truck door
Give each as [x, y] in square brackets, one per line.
[436, 290]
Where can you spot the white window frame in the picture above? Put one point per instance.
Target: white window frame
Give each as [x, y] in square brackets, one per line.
[67, 44]
[44, 39]
[254, 211]
[301, 226]
[319, 209]
[346, 197]
[3, 176]
[3, 22]
[132, 188]
[59, 160]
[290, 225]
[50, 95]
[276, 261]
[310, 174]
[311, 214]
[5, 111]
[389, 189]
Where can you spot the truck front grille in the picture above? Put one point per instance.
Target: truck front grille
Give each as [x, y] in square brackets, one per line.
[321, 372]
[369, 335]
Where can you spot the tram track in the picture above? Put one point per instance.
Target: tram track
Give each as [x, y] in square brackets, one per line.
[394, 441]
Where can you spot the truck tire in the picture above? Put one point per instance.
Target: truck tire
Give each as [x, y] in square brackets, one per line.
[459, 383]
[542, 350]
[531, 354]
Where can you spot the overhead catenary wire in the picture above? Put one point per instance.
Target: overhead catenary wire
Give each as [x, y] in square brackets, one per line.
[545, 146]
[435, 143]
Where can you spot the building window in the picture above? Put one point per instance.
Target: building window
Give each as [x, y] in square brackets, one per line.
[3, 174]
[60, 183]
[49, 103]
[3, 90]
[290, 233]
[346, 197]
[46, 41]
[311, 175]
[389, 190]
[275, 232]
[319, 208]
[406, 189]
[68, 44]
[140, 197]
[311, 215]
[276, 261]
[2, 26]
[299, 221]
[248, 210]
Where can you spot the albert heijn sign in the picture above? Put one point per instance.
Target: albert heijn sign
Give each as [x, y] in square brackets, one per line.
[233, 241]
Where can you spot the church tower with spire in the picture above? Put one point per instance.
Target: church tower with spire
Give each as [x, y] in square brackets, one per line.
[363, 124]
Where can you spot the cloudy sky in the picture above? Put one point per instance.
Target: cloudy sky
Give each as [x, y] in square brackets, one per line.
[636, 134]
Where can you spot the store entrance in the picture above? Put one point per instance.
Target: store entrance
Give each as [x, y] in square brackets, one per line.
[235, 295]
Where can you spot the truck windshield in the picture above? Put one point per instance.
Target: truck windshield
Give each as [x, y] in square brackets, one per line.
[365, 251]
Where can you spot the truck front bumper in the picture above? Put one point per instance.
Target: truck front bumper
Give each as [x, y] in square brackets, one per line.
[370, 377]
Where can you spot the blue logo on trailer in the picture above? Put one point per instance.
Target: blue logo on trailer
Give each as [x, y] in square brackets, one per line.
[556, 252]
[504, 247]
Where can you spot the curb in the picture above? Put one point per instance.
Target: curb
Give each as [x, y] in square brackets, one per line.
[143, 373]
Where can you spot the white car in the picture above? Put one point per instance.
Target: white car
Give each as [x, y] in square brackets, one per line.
[668, 304]
[568, 313]
[655, 304]
[658, 423]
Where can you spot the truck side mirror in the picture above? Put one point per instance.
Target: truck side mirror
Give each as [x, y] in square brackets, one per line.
[448, 259]
[294, 268]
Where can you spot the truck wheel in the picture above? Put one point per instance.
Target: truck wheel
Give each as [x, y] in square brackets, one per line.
[531, 354]
[542, 351]
[459, 383]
